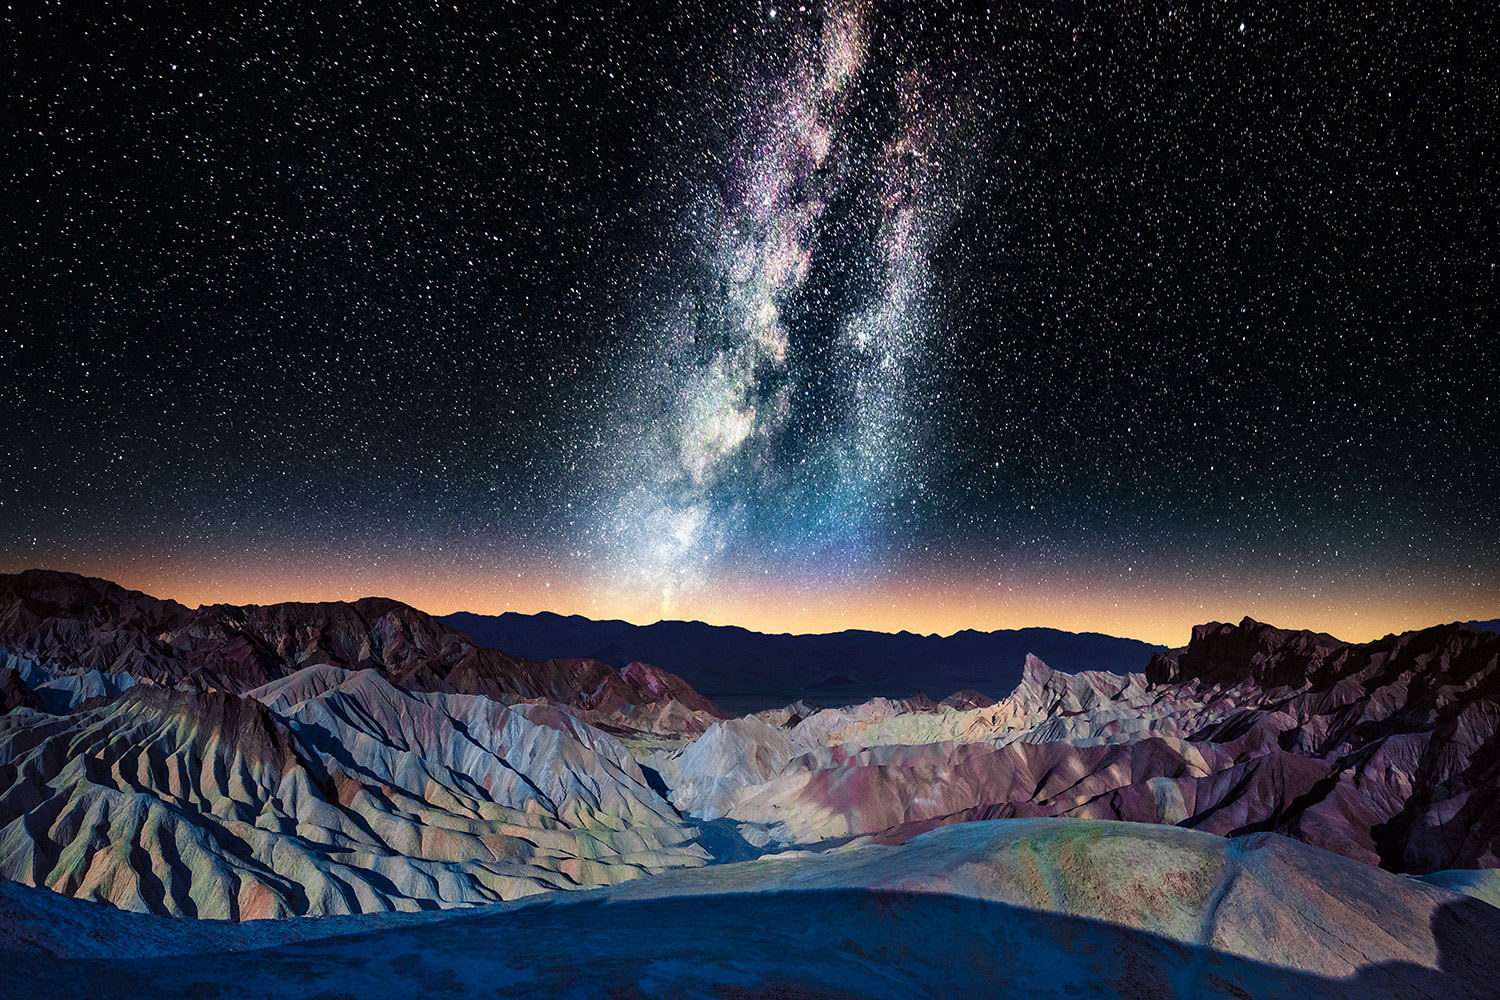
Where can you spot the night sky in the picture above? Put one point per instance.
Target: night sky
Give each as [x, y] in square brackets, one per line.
[1100, 316]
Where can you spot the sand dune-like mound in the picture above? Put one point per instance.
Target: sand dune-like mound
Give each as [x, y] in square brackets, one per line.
[330, 791]
[1035, 908]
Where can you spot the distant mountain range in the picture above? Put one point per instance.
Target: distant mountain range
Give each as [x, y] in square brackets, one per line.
[745, 671]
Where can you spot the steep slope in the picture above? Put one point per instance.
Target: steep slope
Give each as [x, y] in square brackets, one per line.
[1409, 726]
[350, 758]
[329, 791]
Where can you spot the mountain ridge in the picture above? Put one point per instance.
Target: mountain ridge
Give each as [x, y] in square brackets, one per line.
[749, 671]
[72, 625]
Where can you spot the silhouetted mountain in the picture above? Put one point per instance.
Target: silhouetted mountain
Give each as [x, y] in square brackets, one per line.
[747, 671]
[1493, 625]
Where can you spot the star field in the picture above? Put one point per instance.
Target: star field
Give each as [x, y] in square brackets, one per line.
[797, 316]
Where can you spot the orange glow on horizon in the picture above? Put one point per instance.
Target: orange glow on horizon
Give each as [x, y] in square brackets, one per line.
[1151, 607]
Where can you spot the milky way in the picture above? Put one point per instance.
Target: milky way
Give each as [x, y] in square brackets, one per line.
[761, 418]
[800, 316]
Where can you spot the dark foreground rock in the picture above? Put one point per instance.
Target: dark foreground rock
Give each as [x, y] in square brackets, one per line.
[1034, 908]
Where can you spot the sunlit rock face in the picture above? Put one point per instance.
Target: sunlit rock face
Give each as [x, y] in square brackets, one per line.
[1380, 751]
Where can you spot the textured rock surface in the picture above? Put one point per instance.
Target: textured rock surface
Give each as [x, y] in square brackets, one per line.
[328, 791]
[73, 625]
[1386, 752]
[1041, 908]
[58, 690]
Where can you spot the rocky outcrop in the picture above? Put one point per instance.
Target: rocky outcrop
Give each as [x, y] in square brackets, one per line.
[1409, 726]
[1385, 752]
[73, 625]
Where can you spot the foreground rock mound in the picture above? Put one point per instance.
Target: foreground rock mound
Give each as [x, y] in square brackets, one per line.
[326, 792]
[1039, 908]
